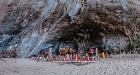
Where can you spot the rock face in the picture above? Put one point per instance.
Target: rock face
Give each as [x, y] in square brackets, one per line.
[49, 23]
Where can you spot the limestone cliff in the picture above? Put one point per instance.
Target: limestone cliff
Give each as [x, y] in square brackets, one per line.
[38, 24]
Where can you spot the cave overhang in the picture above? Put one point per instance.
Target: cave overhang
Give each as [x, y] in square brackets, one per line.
[88, 32]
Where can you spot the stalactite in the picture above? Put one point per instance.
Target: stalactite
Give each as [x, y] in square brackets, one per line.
[120, 40]
[40, 29]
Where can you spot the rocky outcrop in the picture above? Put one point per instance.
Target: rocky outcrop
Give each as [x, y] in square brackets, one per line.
[105, 23]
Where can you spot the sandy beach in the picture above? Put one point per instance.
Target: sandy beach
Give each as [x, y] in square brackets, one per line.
[126, 65]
